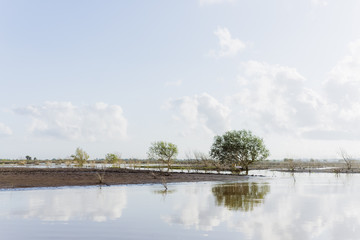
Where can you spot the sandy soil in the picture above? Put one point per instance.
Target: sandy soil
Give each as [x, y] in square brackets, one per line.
[56, 177]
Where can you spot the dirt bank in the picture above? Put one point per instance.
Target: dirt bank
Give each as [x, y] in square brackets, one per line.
[56, 177]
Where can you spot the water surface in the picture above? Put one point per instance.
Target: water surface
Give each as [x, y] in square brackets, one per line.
[277, 206]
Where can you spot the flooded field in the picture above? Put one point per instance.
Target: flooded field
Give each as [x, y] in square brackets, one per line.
[274, 206]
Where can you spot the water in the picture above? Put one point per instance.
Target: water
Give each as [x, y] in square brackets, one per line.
[276, 206]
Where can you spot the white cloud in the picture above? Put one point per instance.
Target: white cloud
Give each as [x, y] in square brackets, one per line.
[5, 130]
[271, 99]
[342, 94]
[65, 120]
[201, 111]
[343, 84]
[275, 98]
[212, 2]
[229, 46]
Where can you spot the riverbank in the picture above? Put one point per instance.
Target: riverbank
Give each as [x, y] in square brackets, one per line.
[16, 177]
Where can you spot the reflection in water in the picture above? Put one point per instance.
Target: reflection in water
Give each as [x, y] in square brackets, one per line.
[193, 207]
[164, 193]
[93, 204]
[240, 196]
[320, 207]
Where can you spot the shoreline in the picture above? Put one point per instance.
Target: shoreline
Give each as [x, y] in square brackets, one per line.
[12, 178]
[28, 177]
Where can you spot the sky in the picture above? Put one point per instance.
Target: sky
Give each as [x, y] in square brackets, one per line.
[115, 76]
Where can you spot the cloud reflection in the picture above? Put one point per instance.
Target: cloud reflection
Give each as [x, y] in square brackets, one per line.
[96, 205]
[316, 207]
[197, 210]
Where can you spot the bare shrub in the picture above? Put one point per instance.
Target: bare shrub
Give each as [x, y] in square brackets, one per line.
[290, 164]
[347, 158]
[337, 171]
[68, 163]
[164, 183]
[153, 175]
[203, 159]
[101, 177]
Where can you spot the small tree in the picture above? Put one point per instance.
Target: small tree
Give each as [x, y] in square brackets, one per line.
[239, 148]
[112, 158]
[80, 157]
[164, 152]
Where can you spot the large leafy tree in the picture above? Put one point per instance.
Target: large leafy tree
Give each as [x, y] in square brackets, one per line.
[239, 148]
[164, 152]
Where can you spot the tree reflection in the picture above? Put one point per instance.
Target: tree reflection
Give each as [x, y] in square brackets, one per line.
[164, 192]
[240, 196]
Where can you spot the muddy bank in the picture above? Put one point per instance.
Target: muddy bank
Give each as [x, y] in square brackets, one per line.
[57, 177]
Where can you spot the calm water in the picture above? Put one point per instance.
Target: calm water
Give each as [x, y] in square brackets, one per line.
[278, 206]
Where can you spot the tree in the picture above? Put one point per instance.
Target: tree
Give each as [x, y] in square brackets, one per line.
[112, 158]
[239, 148]
[80, 157]
[164, 152]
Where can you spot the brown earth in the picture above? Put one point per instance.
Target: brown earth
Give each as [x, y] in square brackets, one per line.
[56, 177]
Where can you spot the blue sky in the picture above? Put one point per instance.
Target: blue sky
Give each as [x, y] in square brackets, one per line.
[114, 76]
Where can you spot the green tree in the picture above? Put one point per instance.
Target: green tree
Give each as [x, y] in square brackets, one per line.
[112, 158]
[80, 157]
[239, 148]
[164, 152]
